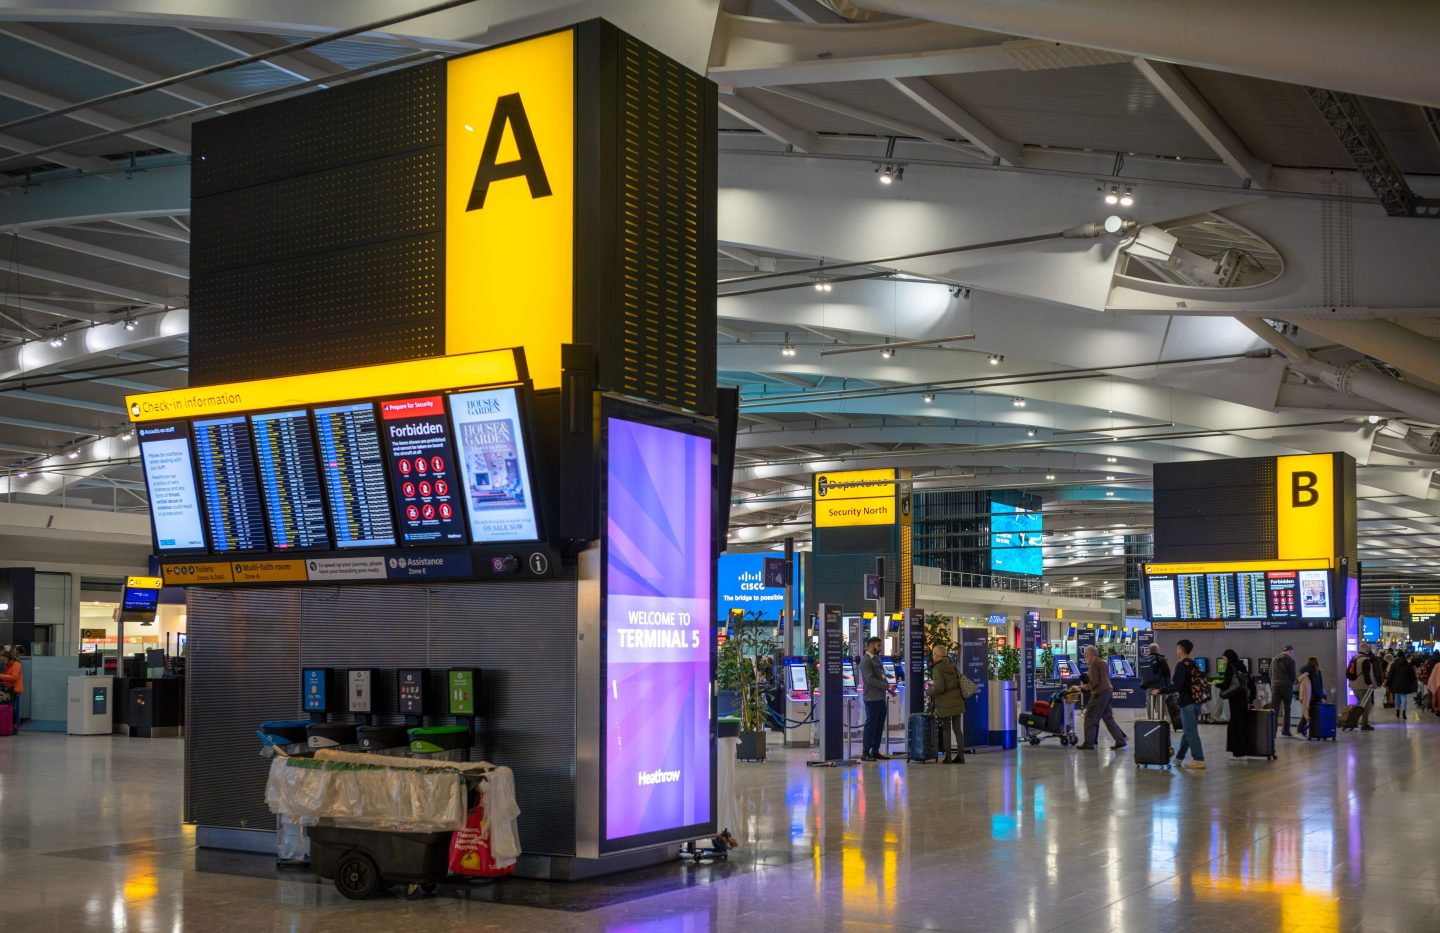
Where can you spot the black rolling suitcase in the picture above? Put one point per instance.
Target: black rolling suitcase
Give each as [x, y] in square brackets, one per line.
[1262, 733]
[1152, 744]
[920, 738]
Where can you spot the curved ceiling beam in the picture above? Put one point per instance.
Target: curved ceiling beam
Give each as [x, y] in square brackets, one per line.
[1325, 43]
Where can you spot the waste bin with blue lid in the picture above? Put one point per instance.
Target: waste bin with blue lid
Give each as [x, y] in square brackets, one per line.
[330, 734]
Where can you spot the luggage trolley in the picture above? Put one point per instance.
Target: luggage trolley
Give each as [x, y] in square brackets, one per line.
[1053, 718]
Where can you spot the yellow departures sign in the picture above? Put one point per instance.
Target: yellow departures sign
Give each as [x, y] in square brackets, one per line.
[1305, 495]
[855, 497]
[510, 201]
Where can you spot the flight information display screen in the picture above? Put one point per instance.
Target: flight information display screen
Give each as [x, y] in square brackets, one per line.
[1241, 599]
[170, 481]
[423, 478]
[353, 468]
[290, 481]
[229, 485]
[490, 440]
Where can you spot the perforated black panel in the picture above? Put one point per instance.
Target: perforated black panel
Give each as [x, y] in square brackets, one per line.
[666, 337]
[316, 231]
[376, 303]
[1215, 510]
[340, 208]
[365, 120]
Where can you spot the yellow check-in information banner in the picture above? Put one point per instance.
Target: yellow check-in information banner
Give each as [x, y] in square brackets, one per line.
[855, 497]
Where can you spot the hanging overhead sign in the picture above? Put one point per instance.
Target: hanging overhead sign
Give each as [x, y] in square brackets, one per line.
[855, 497]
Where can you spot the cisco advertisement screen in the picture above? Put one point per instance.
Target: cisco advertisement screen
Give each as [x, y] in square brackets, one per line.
[1015, 540]
[657, 760]
[740, 584]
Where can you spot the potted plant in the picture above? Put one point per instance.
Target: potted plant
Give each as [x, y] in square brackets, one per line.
[750, 638]
[727, 678]
[938, 631]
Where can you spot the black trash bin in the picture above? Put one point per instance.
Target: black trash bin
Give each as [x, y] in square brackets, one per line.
[140, 712]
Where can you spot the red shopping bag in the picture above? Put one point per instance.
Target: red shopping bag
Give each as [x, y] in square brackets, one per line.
[470, 852]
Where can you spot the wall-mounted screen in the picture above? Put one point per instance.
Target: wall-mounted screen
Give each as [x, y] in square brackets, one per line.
[1241, 599]
[657, 763]
[139, 600]
[1015, 540]
[1315, 594]
[354, 472]
[1162, 597]
[290, 481]
[490, 441]
[229, 485]
[423, 478]
[170, 481]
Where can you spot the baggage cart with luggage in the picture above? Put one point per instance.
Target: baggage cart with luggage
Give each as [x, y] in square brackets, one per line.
[1053, 718]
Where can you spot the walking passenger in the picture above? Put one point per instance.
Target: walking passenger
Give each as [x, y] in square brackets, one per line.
[1191, 689]
[1282, 686]
[1365, 674]
[1101, 691]
[1402, 682]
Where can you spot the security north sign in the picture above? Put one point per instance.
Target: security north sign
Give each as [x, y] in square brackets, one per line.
[855, 497]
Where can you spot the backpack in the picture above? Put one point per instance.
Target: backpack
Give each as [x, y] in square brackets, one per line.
[1352, 670]
[1199, 685]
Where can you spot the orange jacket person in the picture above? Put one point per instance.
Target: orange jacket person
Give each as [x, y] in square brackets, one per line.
[12, 677]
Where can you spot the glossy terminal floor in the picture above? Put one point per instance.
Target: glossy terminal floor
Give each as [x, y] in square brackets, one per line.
[1331, 837]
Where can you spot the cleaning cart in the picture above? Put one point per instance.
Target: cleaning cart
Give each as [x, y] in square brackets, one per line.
[374, 821]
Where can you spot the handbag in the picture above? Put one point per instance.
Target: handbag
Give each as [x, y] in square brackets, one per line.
[967, 688]
[1238, 684]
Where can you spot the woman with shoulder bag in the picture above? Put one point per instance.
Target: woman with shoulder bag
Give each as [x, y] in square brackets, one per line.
[948, 696]
[1236, 691]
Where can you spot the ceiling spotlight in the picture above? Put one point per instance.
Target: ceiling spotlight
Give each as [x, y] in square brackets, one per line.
[1113, 197]
[57, 339]
[1111, 460]
[22, 474]
[131, 323]
[1128, 198]
[1018, 402]
[74, 454]
[996, 359]
[929, 398]
[886, 353]
[1029, 432]
[1109, 492]
[127, 435]
[1373, 419]
[823, 285]
[1110, 477]
[886, 175]
[1050, 476]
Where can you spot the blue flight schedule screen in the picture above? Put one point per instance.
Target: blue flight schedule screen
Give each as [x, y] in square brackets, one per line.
[229, 485]
[354, 470]
[290, 479]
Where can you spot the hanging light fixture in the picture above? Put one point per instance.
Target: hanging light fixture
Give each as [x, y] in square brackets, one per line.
[929, 398]
[1113, 196]
[1128, 198]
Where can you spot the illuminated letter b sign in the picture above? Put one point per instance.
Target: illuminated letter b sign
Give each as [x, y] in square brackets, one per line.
[1302, 489]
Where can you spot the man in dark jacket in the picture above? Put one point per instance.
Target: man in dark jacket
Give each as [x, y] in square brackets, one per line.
[1190, 688]
[1097, 710]
[877, 688]
[949, 704]
[1282, 686]
[1402, 681]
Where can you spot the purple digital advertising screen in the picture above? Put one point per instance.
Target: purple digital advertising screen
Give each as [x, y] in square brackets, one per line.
[658, 770]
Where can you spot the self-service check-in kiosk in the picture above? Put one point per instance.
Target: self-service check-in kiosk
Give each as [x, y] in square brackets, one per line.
[799, 705]
[895, 703]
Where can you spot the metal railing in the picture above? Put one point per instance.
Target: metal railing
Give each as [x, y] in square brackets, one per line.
[1035, 586]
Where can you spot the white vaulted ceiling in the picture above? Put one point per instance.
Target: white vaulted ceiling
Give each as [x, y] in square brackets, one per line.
[1120, 349]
